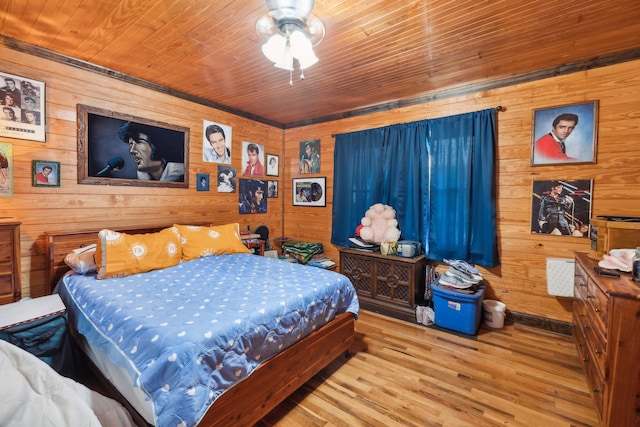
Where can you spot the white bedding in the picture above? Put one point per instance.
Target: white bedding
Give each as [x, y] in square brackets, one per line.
[33, 394]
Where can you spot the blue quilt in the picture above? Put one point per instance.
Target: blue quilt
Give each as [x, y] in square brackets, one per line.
[189, 332]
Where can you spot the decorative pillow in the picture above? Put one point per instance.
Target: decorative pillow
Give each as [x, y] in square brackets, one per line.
[120, 254]
[199, 241]
[82, 260]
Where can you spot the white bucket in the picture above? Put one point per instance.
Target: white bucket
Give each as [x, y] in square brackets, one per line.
[494, 312]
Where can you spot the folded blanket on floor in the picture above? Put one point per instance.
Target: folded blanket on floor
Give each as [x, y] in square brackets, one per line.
[302, 251]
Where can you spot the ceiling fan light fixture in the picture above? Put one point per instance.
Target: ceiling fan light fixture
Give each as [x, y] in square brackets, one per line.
[290, 32]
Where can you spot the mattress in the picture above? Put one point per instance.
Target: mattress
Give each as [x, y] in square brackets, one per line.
[183, 335]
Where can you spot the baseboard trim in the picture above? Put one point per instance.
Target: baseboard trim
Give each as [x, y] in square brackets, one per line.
[540, 322]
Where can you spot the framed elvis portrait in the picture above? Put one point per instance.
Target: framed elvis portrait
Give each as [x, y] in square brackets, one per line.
[310, 156]
[22, 101]
[273, 162]
[6, 169]
[565, 134]
[45, 173]
[561, 207]
[119, 149]
[309, 191]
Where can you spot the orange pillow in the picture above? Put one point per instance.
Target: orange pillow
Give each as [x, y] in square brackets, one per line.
[120, 254]
[199, 241]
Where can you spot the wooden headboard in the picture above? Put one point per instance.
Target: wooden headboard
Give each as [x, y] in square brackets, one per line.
[60, 243]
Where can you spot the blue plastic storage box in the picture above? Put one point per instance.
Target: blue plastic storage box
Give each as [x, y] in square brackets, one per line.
[456, 310]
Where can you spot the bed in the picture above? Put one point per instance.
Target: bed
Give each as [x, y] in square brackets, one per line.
[265, 365]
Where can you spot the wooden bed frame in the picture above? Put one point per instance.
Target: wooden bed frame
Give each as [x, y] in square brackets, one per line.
[251, 399]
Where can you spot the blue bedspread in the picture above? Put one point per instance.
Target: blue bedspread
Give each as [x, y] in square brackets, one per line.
[187, 333]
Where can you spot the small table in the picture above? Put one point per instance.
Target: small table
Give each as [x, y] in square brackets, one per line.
[254, 243]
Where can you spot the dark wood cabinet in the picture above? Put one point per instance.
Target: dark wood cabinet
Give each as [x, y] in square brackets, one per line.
[606, 325]
[10, 288]
[386, 284]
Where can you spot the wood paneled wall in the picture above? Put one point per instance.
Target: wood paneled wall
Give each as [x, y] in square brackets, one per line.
[520, 280]
[75, 206]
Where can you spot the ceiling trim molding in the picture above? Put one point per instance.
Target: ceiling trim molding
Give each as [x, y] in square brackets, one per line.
[84, 65]
[572, 67]
[568, 68]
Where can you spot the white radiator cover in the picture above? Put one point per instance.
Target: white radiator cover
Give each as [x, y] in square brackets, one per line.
[560, 273]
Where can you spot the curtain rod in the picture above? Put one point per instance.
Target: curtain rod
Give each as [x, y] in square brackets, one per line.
[498, 108]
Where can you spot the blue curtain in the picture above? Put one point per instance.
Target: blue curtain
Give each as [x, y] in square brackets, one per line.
[438, 174]
[462, 188]
[357, 181]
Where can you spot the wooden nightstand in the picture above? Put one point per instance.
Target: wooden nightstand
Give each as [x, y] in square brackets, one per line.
[10, 288]
[254, 243]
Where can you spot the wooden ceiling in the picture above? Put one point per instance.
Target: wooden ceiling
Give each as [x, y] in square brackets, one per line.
[376, 54]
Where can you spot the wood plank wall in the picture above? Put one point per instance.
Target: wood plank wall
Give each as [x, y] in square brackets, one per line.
[75, 206]
[520, 281]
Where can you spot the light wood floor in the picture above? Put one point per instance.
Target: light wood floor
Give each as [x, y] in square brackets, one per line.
[404, 374]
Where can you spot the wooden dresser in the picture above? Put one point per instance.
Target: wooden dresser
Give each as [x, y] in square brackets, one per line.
[10, 288]
[606, 328]
[386, 284]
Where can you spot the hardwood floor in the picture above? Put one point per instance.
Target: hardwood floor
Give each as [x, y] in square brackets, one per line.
[405, 374]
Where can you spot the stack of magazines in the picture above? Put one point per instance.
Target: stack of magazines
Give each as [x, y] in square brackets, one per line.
[358, 243]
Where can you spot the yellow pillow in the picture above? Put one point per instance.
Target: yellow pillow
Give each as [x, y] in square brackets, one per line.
[199, 241]
[120, 254]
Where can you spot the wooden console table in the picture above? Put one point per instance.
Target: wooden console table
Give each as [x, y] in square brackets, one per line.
[386, 284]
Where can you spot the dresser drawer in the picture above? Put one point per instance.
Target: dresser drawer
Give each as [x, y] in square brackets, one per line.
[598, 302]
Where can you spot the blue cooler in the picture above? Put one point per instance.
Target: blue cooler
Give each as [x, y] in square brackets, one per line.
[456, 310]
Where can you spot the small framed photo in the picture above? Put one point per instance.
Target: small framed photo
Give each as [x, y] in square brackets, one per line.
[309, 191]
[565, 134]
[46, 173]
[253, 158]
[561, 207]
[6, 169]
[272, 189]
[203, 181]
[273, 164]
[227, 179]
[310, 156]
[23, 108]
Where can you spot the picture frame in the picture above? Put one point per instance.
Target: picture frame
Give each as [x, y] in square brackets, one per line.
[273, 164]
[252, 196]
[272, 189]
[257, 154]
[45, 173]
[565, 134]
[310, 156]
[214, 134]
[202, 182]
[106, 156]
[23, 108]
[571, 197]
[6, 169]
[227, 179]
[309, 191]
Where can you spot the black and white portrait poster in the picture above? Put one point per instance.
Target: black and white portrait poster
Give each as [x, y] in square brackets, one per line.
[23, 114]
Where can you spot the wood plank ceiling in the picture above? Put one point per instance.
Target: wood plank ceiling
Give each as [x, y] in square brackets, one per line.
[376, 54]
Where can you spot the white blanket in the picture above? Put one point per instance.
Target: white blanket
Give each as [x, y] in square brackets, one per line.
[33, 394]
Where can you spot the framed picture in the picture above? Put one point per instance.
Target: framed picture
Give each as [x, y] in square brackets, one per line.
[561, 207]
[273, 164]
[226, 179]
[253, 158]
[565, 134]
[203, 182]
[119, 149]
[6, 169]
[252, 196]
[23, 108]
[216, 146]
[309, 191]
[310, 156]
[45, 173]
[272, 189]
